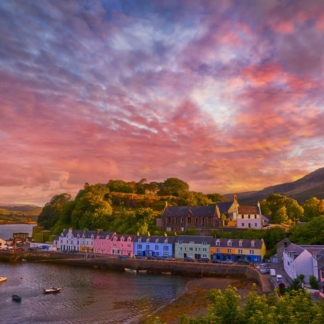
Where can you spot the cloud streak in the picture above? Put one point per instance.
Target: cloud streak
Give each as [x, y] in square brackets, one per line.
[225, 96]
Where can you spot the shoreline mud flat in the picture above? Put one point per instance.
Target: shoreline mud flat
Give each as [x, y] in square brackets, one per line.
[193, 300]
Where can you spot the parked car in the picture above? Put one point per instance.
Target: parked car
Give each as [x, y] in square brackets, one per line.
[216, 261]
[206, 260]
[227, 261]
[264, 270]
[242, 261]
[279, 278]
[170, 258]
[189, 259]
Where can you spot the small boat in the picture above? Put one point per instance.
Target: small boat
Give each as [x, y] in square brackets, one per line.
[16, 298]
[52, 290]
[23, 260]
[130, 270]
[3, 279]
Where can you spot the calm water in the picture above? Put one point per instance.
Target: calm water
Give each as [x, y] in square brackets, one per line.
[87, 296]
[6, 231]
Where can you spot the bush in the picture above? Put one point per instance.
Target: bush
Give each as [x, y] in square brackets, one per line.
[313, 282]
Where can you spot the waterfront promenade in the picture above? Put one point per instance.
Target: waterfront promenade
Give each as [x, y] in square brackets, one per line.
[192, 269]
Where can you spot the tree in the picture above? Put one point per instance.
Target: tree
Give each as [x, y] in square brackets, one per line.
[313, 282]
[294, 211]
[216, 197]
[280, 216]
[312, 208]
[120, 186]
[50, 214]
[173, 187]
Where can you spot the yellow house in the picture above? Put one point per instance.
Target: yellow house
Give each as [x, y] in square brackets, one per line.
[234, 249]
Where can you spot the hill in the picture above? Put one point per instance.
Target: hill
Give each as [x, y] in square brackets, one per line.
[19, 214]
[311, 185]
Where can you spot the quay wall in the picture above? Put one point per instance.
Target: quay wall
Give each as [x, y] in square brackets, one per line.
[192, 269]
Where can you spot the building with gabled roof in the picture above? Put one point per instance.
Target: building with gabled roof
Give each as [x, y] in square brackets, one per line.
[250, 217]
[192, 246]
[235, 249]
[154, 246]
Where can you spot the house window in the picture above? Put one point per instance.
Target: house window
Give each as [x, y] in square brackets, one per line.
[165, 248]
[251, 251]
[217, 243]
[189, 220]
[240, 251]
[252, 243]
[180, 242]
[256, 224]
[248, 216]
[204, 249]
[204, 243]
[147, 247]
[168, 229]
[242, 224]
[190, 249]
[242, 216]
[156, 247]
[229, 243]
[255, 216]
[217, 250]
[240, 243]
[229, 250]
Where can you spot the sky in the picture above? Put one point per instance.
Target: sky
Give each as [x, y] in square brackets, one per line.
[226, 95]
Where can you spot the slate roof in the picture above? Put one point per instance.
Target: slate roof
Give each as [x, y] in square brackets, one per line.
[224, 206]
[81, 233]
[294, 249]
[316, 250]
[194, 210]
[246, 244]
[193, 238]
[242, 209]
[153, 238]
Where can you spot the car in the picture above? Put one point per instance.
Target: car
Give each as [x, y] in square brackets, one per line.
[189, 259]
[170, 258]
[279, 278]
[227, 261]
[216, 261]
[264, 270]
[242, 261]
[206, 260]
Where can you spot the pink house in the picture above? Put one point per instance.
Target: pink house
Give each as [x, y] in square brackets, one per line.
[110, 243]
[102, 243]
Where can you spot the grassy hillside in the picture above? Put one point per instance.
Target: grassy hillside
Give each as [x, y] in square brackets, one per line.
[19, 214]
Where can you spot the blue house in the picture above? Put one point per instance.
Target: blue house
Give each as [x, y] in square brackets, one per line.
[156, 246]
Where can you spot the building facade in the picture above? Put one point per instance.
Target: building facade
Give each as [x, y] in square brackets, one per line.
[192, 246]
[235, 249]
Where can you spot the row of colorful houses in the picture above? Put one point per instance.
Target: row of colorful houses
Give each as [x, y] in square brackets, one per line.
[179, 247]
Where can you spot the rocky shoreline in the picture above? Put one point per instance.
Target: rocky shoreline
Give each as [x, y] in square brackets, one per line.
[193, 300]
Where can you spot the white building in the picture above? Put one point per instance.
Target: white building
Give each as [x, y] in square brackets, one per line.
[75, 240]
[298, 260]
[249, 217]
[3, 243]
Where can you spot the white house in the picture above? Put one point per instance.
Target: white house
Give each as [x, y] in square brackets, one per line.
[249, 217]
[298, 260]
[75, 240]
[3, 243]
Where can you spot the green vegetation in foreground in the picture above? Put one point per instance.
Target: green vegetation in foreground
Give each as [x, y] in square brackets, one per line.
[225, 307]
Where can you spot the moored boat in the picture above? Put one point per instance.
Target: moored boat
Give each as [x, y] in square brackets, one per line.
[130, 270]
[52, 290]
[3, 279]
[16, 298]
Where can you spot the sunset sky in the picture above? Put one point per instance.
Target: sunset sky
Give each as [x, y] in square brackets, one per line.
[226, 95]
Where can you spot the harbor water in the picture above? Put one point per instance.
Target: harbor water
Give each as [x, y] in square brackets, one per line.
[88, 295]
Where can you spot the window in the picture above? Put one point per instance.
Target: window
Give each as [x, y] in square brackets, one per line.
[217, 250]
[249, 217]
[242, 216]
[256, 224]
[240, 242]
[165, 248]
[190, 249]
[204, 243]
[252, 243]
[147, 247]
[255, 216]
[204, 249]
[180, 242]
[168, 229]
[229, 243]
[251, 251]
[217, 243]
[156, 247]
[242, 224]
[229, 250]
[240, 251]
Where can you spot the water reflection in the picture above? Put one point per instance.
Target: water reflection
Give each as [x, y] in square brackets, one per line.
[88, 295]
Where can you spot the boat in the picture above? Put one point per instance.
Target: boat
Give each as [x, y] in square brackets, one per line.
[130, 270]
[52, 290]
[16, 298]
[3, 279]
[23, 260]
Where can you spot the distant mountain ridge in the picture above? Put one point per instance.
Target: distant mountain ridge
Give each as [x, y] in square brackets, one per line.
[311, 185]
